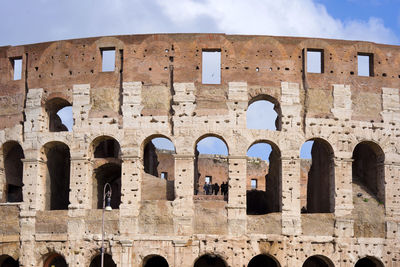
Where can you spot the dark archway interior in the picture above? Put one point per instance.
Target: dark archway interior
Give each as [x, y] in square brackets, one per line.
[366, 262]
[150, 159]
[262, 260]
[315, 262]
[107, 149]
[108, 173]
[209, 261]
[57, 261]
[368, 169]
[108, 261]
[8, 262]
[156, 261]
[267, 200]
[13, 155]
[58, 167]
[321, 180]
[52, 107]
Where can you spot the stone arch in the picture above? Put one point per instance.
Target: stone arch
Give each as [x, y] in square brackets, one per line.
[52, 107]
[57, 176]
[108, 261]
[159, 168]
[318, 261]
[209, 163]
[368, 168]
[369, 261]
[55, 260]
[13, 170]
[276, 108]
[105, 146]
[8, 261]
[110, 173]
[263, 260]
[210, 260]
[320, 181]
[267, 199]
[155, 261]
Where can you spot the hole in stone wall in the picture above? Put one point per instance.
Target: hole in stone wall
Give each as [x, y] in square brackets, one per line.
[315, 60]
[57, 177]
[211, 66]
[155, 261]
[317, 177]
[17, 68]
[211, 159]
[264, 114]
[365, 64]
[263, 260]
[210, 260]
[263, 163]
[159, 162]
[108, 261]
[59, 114]
[107, 59]
[13, 168]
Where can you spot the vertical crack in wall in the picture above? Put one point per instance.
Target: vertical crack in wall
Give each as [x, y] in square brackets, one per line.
[25, 96]
[305, 87]
[121, 80]
[172, 92]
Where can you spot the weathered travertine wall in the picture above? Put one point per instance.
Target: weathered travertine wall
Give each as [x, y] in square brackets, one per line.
[156, 90]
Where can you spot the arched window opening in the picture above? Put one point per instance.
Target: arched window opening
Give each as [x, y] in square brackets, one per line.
[108, 261]
[155, 261]
[368, 170]
[263, 260]
[264, 180]
[368, 262]
[7, 261]
[57, 175]
[107, 173]
[59, 112]
[211, 168]
[159, 168]
[210, 260]
[264, 113]
[13, 168]
[318, 261]
[317, 177]
[106, 147]
[55, 260]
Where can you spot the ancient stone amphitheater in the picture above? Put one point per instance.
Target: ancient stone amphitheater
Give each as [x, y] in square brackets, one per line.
[346, 100]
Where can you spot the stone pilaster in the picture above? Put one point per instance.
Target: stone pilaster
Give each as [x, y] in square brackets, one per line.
[238, 102]
[131, 104]
[343, 187]
[34, 189]
[291, 107]
[342, 101]
[81, 106]
[80, 184]
[390, 105]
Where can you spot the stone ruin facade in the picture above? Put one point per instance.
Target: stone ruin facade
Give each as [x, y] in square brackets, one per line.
[52, 179]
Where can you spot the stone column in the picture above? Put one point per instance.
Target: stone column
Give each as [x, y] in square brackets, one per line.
[291, 220]
[392, 209]
[131, 178]
[80, 184]
[183, 207]
[237, 217]
[126, 259]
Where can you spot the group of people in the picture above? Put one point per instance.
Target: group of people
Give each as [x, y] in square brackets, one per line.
[213, 189]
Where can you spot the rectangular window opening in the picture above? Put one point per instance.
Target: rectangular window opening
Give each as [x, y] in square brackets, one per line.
[253, 183]
[211, 66]
[17, 68]
[315, 61]
[365, 64]
[208, 179]
[164, 175]
[107, 59]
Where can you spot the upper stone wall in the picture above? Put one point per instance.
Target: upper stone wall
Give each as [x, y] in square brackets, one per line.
[159, 60]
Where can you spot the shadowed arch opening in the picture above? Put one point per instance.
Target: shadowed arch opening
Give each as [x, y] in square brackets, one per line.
[159, 169]
[211, 167]
[263, 260]
[55, 260]
[264, 112]
[8, 261]
[59, 113]
[368, 169]
[57, 175]
[318, 261]
[107, 173]
[317, 177]
[369, 262]
[106, 147]
[108, 261]
[155, 261]
[264, 178]
[210, 260]
[13, 168]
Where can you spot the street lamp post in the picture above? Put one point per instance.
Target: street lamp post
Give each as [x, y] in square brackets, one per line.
[106, 207]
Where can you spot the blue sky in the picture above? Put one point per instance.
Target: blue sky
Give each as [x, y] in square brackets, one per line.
[27, 21]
